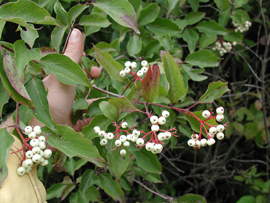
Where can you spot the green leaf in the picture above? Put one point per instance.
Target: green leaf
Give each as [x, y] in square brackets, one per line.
[4, 97]
[211, 27]
[66, 70]
[6, 141]
[24, 11]
[149, 14]
[203, 58]
[153, 177]
[147, 161]
[233, 37]
[194, 4]
[191, 36]
[61, 14]
[75, 11]
[240, 16]
[57, 37]
[95, 20]
[93, 194]
[87, 180]
[22, 56]
[162, 26]
[90, 30]
[9, 88]
[55, 191]
[206, 40]
[135, 93]
[74, 144]
[246, 199]
[214, 91]
[68, 189]
[194, 17]
[151, 49]
[177, 88]
[223, 4]
[150, 84]
[122, 104]
[224, 17]
[194, 74]
[29, 35]
[111, 66]
[170, 5]
[111, 187]
[239, 3]
[121, 11]
[2, 25]
[134, 45]
[191, 198]
[79, 104]
[99, 120]
[103, 46]
[117, 164]
[109, 110]
[38, 95]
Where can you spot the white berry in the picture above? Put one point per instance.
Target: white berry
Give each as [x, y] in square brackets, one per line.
[28, 170]
[133, 65]
[34, 142]
[96, 129]
[127, 70]
[101, 133]
[123, 152]
[168, 135]
[47, 153]
[123, 138]
[44, 163]
[144, 69]
[124, 125]
[21, 171]
[220, 135]
[140, 141]
[144, 63]
[220, 128]
[42, 145]
[126, 143]
[140, 73]
[37, 129]
[220, 110]
[195, 136]
[212, 131]
[118, 143]
[103, 142]
[191, 143]
[154, 128]
[36, 158]
[27, 163]
[220, 117]
[158, 148]
[161, 136]
[206, 114]
[35, 150]
[162, 120]
[149, 146]
[41, 138]
[165, 113]
[127, 64]
[110, 136]
[211, 141]
[129, 136]
[28, 130]
[136, 133]
[29, 154]
[154, 119]
[203, 142]
[32, 135]
[122, 73]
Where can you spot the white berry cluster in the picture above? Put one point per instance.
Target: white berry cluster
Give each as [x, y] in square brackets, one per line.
[37, 154]
[223, 47]
[133, 65]
[214, 131]
[153, 145]
[241, 28]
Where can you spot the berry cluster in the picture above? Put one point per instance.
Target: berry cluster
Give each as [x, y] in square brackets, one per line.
[196, 142]
[241, 28]
[132, 65]
[155, 144]
[36, 153]
[224, 47]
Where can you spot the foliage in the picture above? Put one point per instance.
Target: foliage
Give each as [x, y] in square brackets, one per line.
[179, 40]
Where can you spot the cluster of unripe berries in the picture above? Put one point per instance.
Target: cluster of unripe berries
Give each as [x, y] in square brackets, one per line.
[241, 28]
[133, 65]
[223, 47]
[37, 152]
[214, 131]
[152, 145]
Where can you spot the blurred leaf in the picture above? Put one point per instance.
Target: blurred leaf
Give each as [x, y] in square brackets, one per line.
[122, 104]
[28, 35]
[246, 199]
[239, 3]
[134, 45]
[111, 187]
[240, 16]
[177, 89]
[74, 144]
[191, 36]
[2, 25]
[170, 5]
[206, 40]
[203, 58]
[22, 11]
[153, 177]
[75, 11]
[135, 93]
[162, 26]
[4, 97]
[109, 110]
[57, 37]
[6, 141]
[194, 74]
[191, 198]
[55, 191]
[93, 194]
[58, 161]
[150, 84]
[121, 11]
[68, 189]
[22, 56]
[194, 4]
[111, 66]
[61, 14]
[66, 70]
[233, 37]
[95, 20]
[117, 163]
[223, 4]
[194, 17]
[149, 14]
[224, 17]
[214, 91]
[211, 27]
[38, 95]
[151, 48]
[99, 120]
[87, 180]
[103, 46]
[79, 104]
[147, 161]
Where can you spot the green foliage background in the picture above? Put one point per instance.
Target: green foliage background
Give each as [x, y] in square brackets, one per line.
[233, 170]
